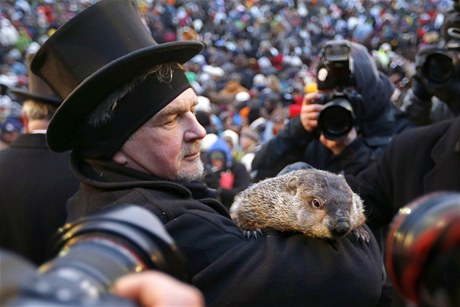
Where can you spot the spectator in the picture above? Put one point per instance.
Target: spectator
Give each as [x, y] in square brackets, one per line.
[35, 181]
[10, 129]
[224, 173]
[141, 146]
[250, 144]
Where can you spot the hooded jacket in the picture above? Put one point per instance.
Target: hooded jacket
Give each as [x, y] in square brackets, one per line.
[378, 120]
[241, 177]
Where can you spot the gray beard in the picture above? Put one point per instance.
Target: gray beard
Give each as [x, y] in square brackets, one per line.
[191, 175]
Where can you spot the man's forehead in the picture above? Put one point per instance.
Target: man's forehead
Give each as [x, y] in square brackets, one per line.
[183, 102]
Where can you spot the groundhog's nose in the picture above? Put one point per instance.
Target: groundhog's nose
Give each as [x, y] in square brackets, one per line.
[341, 228]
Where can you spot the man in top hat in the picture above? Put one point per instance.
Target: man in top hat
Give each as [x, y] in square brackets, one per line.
[128, 117]
[35, 182]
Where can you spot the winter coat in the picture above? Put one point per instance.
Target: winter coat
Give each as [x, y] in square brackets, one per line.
[35, 185]
[276, 269]
[239, 173]
[417, 162]
[377, 121]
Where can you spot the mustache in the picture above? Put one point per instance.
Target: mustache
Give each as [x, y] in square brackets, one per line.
[193, 148]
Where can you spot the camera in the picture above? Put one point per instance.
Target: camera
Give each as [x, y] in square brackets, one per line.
[336, 73]
[438, 65]
[91, 253]
[337, 65]
[423, 250]
[337, 118]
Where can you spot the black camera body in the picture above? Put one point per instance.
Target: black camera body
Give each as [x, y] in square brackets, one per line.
[96, 250]
[336, 73]
[439, 65]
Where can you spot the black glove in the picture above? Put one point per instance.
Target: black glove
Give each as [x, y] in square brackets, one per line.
[420, 90]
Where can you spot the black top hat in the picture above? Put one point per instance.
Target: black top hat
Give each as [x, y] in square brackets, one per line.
[38, 90]
[100, 49]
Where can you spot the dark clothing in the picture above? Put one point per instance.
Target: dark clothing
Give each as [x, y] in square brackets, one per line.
[277, 269]
[377, 120]
[241, 181]
[417, 162]
[295, 144]
[239, 173]
[35, 185]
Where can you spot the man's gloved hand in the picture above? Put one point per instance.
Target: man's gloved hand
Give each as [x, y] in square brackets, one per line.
[419, 90]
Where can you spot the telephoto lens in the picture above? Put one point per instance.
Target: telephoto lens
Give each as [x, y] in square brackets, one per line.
[440, 66]
[94, 251]
[337, 117]
[423, 250]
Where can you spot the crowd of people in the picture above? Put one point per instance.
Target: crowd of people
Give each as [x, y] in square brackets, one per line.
[230, 93]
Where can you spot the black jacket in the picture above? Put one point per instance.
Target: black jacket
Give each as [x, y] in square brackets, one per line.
[417, 162]
[35, 184]
[278, 269]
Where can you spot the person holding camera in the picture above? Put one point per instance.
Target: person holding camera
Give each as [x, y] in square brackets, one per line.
[435, 92]
[420, 161]
[128, 117]
[353, 105]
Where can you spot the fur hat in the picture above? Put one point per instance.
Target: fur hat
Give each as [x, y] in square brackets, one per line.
[96, 52]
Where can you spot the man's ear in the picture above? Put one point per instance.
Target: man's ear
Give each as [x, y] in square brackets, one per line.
[120, 158]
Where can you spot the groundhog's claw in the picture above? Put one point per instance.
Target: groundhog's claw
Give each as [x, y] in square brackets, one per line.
[252, 233]
[361, 235]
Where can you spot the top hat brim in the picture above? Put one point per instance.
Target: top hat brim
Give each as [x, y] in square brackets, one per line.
[63, 133]
[22, 96]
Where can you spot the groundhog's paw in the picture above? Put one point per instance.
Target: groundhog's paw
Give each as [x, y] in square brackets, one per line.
[361, 235]
[252, 233]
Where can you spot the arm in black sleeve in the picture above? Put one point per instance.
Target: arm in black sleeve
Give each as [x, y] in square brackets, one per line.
[286, 147]
[374, 185]
[361, 153]
[417, 106]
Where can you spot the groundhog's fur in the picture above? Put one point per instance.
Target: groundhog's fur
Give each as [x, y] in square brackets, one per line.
[316, 203]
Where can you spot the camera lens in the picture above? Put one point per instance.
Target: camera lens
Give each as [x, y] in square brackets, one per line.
[425, 227]
[89, 254]
[336, 119]
[438, 67]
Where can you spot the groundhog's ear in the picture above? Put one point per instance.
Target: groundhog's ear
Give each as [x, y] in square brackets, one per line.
[292, 185]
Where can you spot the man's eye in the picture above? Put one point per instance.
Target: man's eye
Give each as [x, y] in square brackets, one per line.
[170, 121]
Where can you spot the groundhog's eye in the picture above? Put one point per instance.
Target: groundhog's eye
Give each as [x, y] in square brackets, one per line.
[316, 203]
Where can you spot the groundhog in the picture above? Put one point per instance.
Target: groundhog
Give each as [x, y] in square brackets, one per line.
[317, 203]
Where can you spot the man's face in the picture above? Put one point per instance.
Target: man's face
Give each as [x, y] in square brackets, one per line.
[168, 144]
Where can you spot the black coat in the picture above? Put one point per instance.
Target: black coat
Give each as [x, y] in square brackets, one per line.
[35, 185]
[278, 269]
[417, 162]
[294, 144]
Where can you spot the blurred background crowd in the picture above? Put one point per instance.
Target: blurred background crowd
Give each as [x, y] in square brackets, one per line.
[260, 58]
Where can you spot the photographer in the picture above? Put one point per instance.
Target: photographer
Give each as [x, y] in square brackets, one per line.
[346, 75]
[435, 86]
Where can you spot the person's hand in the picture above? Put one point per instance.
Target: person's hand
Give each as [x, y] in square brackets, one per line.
[339, 145]
[309, 113]
[154, 289]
